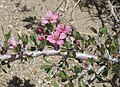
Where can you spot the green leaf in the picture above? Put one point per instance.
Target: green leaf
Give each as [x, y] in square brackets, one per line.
[7, 36]
[48, 78]
[67, 45]
[113, 42]
[70, 84]
[87, 43]
[94, 30]
[76, 35]
[99, 77]
[105, 72]
[63, 50]
[90, 72]
[67, 85]
[43, 43]
[82, 83]
[17, 49]
[6, 46]
[26, 39]
[114, 46]
[33, 39]
[90, 60]
[92, 40]
[47, 68]
[101, 49]
[72, 54]
[63, 75]
[103, 31]
[55, 84]
[18, 36]
[77, 69]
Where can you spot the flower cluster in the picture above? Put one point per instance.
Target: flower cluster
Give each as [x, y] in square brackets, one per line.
[68, 43]
[59, 35]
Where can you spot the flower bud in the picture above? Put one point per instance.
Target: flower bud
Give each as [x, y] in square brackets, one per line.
[40, 29]
[40, 38]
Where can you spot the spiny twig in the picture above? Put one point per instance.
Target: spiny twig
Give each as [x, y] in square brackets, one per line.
[112, 11]
[12, 57]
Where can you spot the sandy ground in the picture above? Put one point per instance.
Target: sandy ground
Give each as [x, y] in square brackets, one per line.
[11, 16]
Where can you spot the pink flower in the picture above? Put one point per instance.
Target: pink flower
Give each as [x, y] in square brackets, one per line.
[84, 62]
[40, 29]
[12, 42]
[64, 29]
[86, 66]
[23, 47]
[78, 43]
[72, 39]
[50, 18]
[57, 38]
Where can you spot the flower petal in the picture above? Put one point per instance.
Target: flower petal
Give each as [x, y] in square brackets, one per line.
[50, 38]
[12, 41]
[56, 16]
[53, 21]
[49, 14]
[60, 42]
[63, 36]
[68, 29]
[56, 33]
[44, 21]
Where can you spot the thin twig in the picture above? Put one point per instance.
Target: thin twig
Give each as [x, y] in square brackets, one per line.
[12, 57]
[45, 5]
[66, 7]
[111, 7]
[59, 6]
[99, 12]
[75, 7]
[72, 12]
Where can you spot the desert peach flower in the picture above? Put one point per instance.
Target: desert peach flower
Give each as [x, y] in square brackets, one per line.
[57, 38]
[50, 18]
[40, 29]
[78, 43]
[64, 29]
[84, 62]
[12, 42]
[25, 47]
[72, 39]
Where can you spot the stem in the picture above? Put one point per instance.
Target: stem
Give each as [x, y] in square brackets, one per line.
[12, 57]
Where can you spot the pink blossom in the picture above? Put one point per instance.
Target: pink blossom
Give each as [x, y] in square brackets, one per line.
[57, 38]
[24, 47]
[40, 29]
[64, 29]
[12, 42]
[84, 62]
[87, 66]
[72, 39]
[50, 18]
[78, 43]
